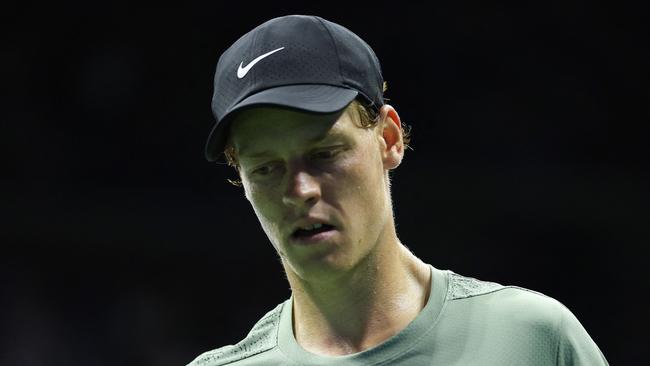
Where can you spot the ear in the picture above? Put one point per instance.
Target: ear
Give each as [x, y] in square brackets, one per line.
[391, 140]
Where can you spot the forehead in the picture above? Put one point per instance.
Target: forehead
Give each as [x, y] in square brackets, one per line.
[263, 129]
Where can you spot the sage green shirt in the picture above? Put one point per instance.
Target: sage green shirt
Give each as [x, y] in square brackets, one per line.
[465, 322]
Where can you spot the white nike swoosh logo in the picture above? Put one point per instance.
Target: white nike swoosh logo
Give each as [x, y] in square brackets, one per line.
[242, 71]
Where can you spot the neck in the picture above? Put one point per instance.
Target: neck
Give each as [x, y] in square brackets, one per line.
[364, 306]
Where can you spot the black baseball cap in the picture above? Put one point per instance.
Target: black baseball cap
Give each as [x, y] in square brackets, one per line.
[295, 61]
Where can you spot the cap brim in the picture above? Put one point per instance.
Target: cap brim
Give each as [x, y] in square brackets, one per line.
[305, 97]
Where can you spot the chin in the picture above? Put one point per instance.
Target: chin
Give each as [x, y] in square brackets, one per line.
[323, 268]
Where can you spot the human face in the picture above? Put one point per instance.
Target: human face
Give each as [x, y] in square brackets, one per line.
[300, 169]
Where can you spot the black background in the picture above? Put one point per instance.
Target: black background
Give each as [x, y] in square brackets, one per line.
[121, 245]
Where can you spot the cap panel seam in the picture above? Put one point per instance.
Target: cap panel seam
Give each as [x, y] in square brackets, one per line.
[250, 51]
[336, 50]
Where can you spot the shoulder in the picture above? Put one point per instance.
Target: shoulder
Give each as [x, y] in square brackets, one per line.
[515, 303]
[261, 338]
[529, 314]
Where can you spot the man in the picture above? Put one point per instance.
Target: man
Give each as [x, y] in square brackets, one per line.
[301, 116]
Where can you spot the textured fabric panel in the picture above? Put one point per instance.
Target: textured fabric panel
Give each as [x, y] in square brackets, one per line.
[461, 287]
[262, 337]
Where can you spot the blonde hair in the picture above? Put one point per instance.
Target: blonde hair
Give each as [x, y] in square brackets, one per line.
[368, 118]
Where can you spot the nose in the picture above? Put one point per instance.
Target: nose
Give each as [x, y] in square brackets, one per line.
[303, 189]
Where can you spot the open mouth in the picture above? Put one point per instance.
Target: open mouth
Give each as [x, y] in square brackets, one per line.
[311, 231]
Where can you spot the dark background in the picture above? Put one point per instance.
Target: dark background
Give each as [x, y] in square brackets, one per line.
[121, 245]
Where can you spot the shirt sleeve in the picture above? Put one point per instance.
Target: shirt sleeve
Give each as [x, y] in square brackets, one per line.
[575, 347]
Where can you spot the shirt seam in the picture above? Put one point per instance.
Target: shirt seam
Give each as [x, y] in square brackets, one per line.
[503, 287]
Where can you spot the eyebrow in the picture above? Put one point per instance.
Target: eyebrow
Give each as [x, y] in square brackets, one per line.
[331, 135]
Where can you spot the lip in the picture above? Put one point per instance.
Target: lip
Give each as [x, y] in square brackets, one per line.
[307, 221]
[314, 239]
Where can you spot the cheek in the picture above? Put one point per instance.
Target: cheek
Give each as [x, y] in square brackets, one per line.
[363, 191]
[267, 214]
[369, 171]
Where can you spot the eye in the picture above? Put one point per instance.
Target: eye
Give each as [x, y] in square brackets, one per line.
[263, 170]
[325, 154]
